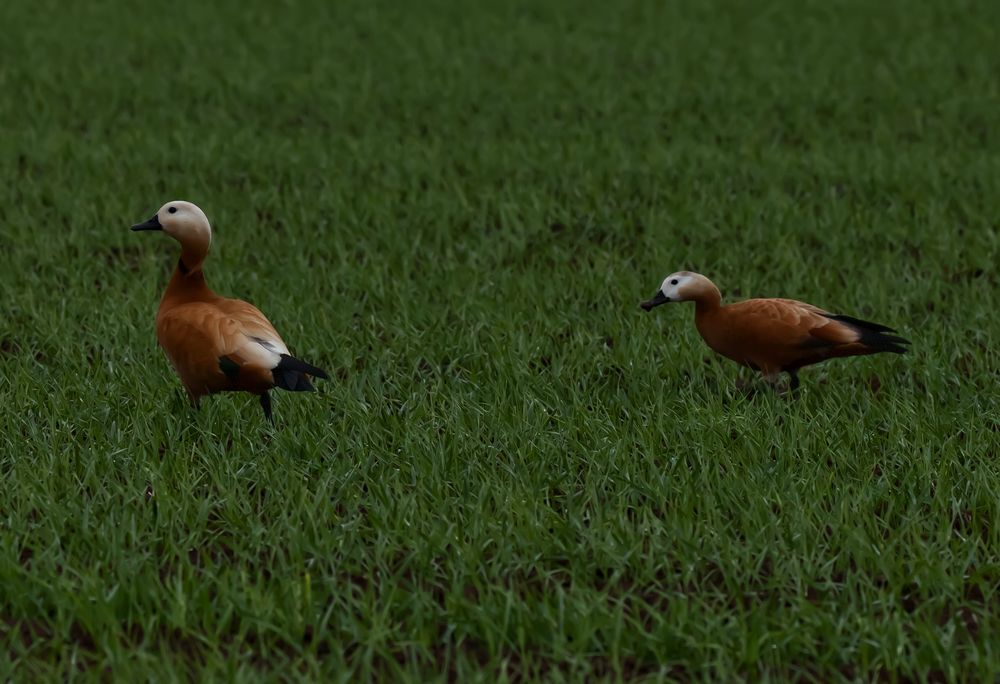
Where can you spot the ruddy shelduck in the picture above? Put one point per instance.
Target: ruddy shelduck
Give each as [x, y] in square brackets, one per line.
[773, 335]
[217, 344]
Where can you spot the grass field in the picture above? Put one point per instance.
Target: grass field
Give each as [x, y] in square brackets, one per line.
[515, 473]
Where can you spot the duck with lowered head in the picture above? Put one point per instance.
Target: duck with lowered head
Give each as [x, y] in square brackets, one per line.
[773, 335]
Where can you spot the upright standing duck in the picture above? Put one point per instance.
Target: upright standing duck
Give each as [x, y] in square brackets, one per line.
[773, 335]
[217, 344]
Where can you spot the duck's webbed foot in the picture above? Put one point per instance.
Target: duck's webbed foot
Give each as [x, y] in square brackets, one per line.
[788, 390]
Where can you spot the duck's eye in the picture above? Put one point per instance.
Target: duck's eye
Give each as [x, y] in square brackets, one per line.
[172, 210]
[674, 281]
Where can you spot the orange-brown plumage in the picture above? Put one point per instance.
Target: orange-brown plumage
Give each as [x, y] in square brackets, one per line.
[216, 344]
[773, 335]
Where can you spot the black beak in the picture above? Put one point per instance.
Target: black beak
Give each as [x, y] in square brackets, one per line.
[151, 224]
[658, 298]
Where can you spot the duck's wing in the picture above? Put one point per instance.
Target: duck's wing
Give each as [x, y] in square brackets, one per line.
[787, 333]
[782, 322]
[286, 371]
[213, 350]
[253, 323]
[775, 334]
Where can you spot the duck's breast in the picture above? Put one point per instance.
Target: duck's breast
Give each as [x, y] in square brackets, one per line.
[193, 336]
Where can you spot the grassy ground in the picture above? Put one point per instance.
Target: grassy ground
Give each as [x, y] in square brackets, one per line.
[515, 474]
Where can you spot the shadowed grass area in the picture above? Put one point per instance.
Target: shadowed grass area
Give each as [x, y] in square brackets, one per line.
[515, 473]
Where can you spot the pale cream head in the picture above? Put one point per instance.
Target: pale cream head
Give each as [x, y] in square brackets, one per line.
[674, 284]
[682, 286]
[186, 223]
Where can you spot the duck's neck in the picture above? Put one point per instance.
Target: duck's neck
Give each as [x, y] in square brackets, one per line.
[193, 253]
[708, 300]
[187, 284]
[707, 305]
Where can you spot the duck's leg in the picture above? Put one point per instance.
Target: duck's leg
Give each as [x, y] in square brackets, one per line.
[265, 403]
[771, 378]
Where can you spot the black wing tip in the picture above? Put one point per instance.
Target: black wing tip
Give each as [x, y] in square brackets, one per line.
[873, 335]
[884, 343]
[289, 362]
[893, 347]
[880, 342]
[292, 381]
[860, 323]
[291, 374]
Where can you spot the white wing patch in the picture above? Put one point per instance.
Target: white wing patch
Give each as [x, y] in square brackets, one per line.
[262, 353]
[271, 345]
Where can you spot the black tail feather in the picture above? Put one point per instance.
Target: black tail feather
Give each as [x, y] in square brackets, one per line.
[860, 324]
[889, 343]
[873, 335]
[293, 381]
[292, 374]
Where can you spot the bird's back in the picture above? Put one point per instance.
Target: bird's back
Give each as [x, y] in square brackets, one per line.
[776, 334]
